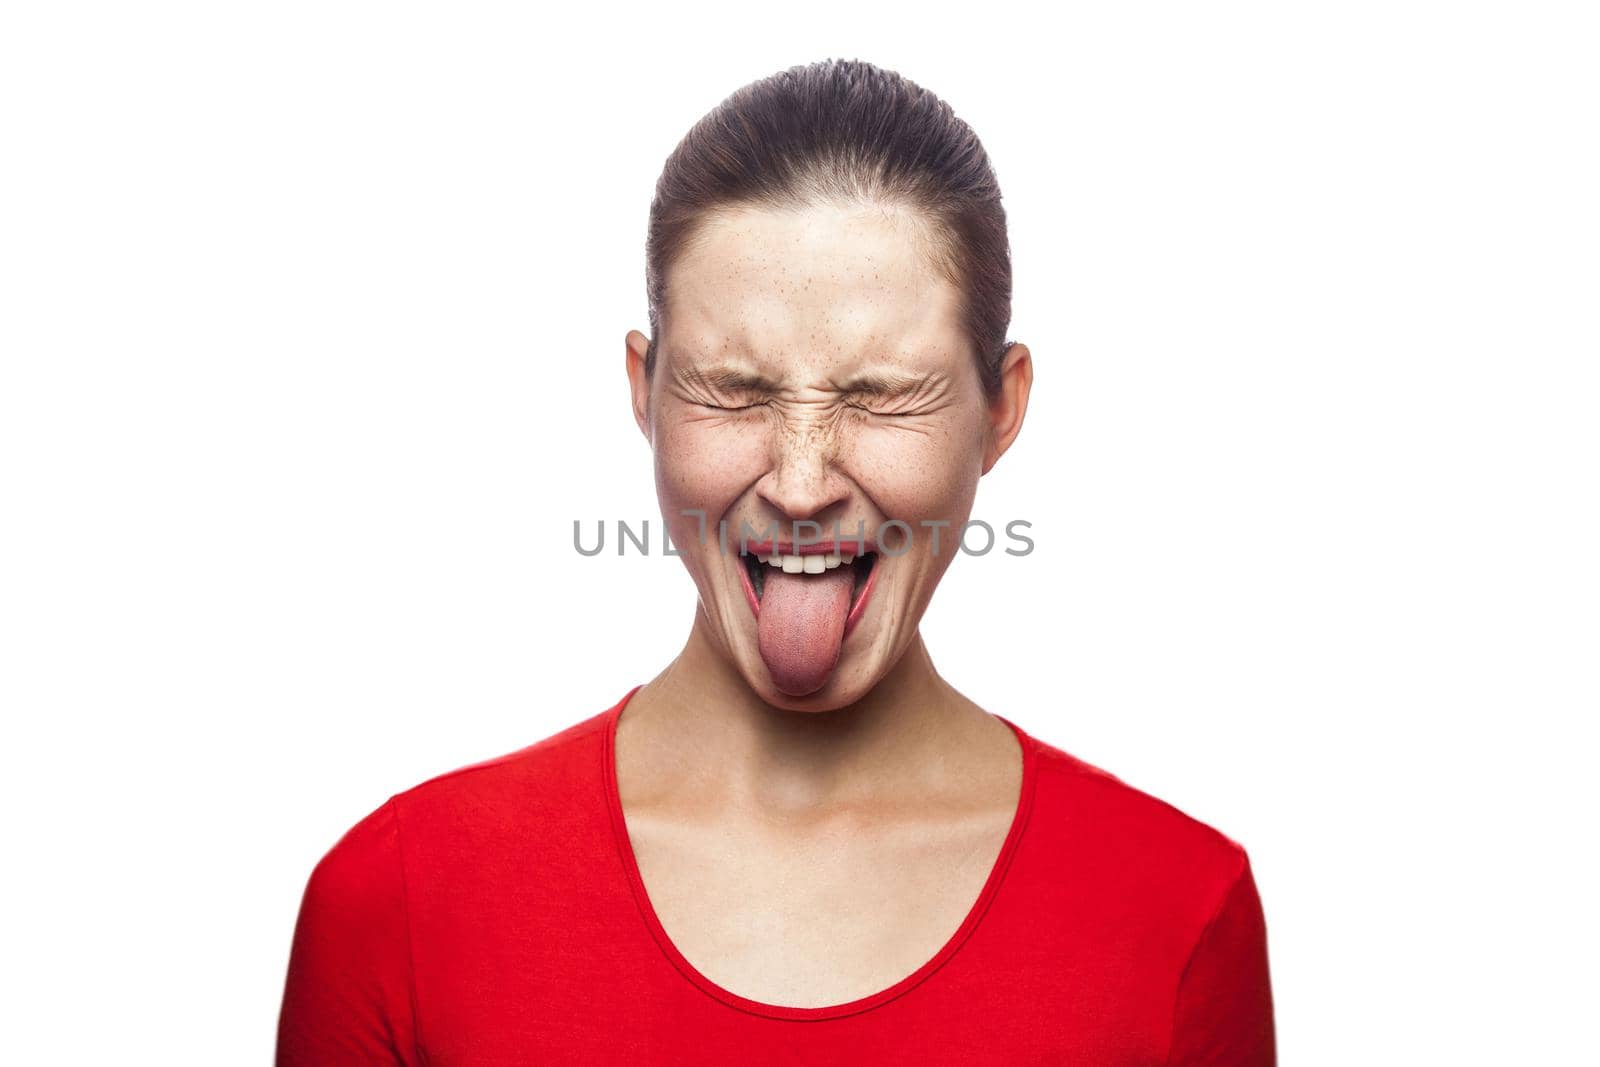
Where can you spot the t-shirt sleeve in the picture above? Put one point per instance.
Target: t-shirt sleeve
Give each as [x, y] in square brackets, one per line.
[347, 998]
[1223, 1015]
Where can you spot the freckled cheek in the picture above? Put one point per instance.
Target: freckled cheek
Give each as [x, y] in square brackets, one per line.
[705, 466]
[916, 476]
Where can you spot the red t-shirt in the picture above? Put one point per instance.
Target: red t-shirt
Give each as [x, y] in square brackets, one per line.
[495, 915]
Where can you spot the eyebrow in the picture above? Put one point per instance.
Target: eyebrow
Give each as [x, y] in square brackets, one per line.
[885, 383]
[729, 377]
[881, 383]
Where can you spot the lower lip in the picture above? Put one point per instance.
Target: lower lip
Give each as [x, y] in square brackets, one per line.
[856, 611]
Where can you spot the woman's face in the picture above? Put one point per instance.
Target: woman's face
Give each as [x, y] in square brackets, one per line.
[811, 367]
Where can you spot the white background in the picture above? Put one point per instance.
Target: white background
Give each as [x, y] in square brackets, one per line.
[313, 321]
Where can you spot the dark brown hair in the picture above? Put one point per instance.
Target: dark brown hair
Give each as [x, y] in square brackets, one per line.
[844, 129]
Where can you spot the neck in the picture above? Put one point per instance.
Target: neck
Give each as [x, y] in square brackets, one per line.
[700, 718]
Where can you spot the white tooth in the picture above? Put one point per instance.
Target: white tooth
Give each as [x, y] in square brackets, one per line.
[815, 564]
[759, 556]
[793, 565]
[833, 559]
[775, 560]
[847, 557]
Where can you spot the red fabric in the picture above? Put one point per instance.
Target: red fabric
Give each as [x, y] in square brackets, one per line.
[494, 915]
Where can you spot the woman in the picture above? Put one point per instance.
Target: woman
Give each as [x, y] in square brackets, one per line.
[797, 843]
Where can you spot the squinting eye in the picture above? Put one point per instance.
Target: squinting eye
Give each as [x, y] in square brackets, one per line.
[883, 414]
[731, 410]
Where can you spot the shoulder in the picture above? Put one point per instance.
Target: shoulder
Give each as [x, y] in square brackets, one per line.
[1138, 848]
[361, 865]
[538, 777]
[474, 810]
[1128, 812]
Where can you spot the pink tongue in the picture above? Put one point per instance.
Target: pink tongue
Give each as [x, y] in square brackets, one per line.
[802, 626]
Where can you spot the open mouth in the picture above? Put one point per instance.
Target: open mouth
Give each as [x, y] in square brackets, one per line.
[757, 565]
[806, 601]
[762, 560]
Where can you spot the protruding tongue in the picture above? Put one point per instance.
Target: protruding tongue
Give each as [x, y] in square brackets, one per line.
[802, 626]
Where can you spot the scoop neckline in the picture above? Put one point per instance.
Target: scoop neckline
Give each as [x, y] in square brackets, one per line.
[652, 921]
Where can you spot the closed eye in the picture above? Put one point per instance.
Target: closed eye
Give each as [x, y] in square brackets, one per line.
[725, 408]
[884, 414]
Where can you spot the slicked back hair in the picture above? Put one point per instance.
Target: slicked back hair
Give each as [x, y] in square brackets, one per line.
[841, 130]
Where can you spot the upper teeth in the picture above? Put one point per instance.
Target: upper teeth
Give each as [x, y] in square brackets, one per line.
[815, 564]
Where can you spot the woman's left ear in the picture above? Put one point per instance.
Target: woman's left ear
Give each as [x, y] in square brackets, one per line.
[1010, 403]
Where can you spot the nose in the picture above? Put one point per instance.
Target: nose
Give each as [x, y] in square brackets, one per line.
[804, 481]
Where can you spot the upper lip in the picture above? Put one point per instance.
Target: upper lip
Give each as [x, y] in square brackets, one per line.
[817, 548]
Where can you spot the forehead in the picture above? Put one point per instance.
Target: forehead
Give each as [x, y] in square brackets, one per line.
[812, 289]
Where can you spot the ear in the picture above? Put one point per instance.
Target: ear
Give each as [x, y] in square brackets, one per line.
[1010, 404]
[637, 346]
